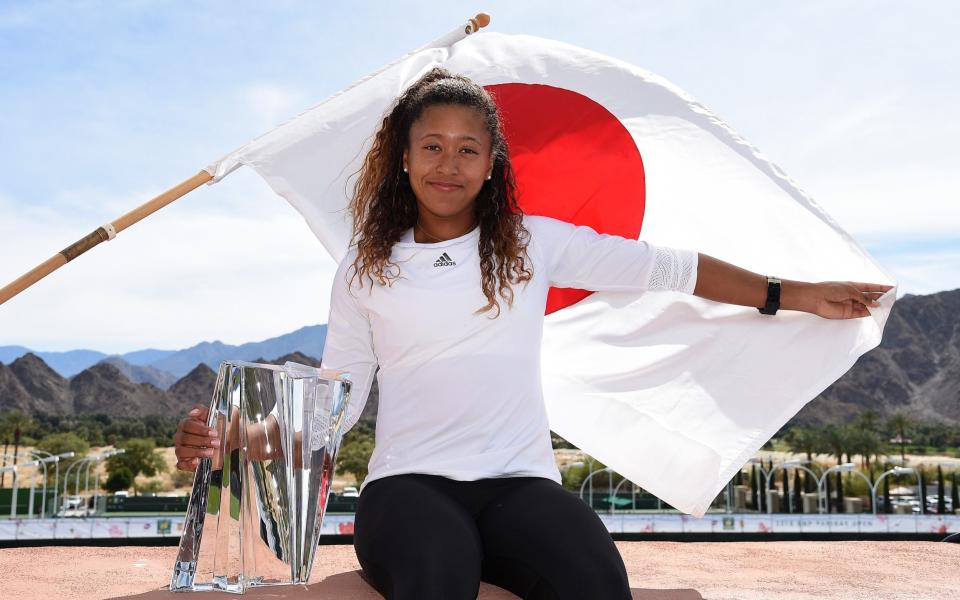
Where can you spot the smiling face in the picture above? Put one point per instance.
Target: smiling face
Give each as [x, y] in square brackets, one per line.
[448, 158]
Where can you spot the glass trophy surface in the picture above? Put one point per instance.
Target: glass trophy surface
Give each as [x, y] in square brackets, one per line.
[256, 507]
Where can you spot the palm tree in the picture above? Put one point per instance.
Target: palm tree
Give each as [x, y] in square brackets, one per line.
[941, 501]
[797, 499]
[872, 444]
[803, 440]
[868, 420]
[867, 444]
[922, 486]
[836, 439]
[5, 432]
[17, 422]
[900, 423]
[839, 492]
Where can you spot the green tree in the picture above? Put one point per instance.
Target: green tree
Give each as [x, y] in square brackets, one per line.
[868, 420]
[797, 498]
[922, 487]
[17, 423]
[941, 501]
[61, 443]
[836, 440]
[6, 432]
[839, 492]
[354, 456]
[140, 457]
[120, 478]
[867, 444]
[152, 486]
[803, 440]
[900, 423]
[869, 441]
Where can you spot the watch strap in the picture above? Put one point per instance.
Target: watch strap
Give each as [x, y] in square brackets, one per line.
[772, 304]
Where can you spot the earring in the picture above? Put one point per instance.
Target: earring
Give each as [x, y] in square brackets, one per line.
[405, 170]
[489, 176]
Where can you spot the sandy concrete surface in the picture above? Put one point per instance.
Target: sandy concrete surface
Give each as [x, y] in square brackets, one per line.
[658, 571]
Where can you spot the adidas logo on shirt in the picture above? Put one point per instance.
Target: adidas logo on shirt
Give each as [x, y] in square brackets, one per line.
[444, 261]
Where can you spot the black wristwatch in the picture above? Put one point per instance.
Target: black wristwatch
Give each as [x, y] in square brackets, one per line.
[773, 297]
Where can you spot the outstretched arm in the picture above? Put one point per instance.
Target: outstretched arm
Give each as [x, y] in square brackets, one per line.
[723, 282]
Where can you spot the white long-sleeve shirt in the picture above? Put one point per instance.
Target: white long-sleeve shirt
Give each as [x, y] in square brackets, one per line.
[460, 392]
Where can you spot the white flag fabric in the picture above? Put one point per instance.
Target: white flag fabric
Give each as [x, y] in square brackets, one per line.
[672, 391]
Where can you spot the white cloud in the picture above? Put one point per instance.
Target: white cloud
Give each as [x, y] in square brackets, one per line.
[913, 202]
[841, 120]
[228, 271]
[273, 104]
[925, 273]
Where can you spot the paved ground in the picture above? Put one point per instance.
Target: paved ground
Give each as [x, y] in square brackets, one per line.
[658, 571]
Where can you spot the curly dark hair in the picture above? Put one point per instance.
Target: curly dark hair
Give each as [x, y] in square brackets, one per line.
[384, 206]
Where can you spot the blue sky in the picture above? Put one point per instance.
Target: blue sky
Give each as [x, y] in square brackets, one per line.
[105, 104]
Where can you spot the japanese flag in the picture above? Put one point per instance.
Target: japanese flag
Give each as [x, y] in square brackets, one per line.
[672, 391]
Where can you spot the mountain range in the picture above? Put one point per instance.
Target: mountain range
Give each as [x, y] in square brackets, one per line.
[30, 385]
[163, 367]
[915, 370]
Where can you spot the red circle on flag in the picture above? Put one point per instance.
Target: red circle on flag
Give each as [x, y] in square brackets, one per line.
[574, 161]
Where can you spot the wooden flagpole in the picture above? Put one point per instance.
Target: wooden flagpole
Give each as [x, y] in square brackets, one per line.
[103, 233]
[109, 231]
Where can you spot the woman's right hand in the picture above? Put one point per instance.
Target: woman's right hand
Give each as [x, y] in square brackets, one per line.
[194, 440]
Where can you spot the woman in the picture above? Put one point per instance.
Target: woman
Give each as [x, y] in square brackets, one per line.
[444, 290]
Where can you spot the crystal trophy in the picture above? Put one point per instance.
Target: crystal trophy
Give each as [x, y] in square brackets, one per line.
[254, 514]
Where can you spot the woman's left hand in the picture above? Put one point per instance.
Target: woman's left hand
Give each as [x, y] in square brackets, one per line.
[723, 282]
[841, 299]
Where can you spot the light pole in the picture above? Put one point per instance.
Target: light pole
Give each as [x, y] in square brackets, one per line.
[96, 491]
[617, 489]
[43, 457]
[86, 462]
[86, 479]
[13, 499]
[14, 471]
[588, 480]
[844, 468]
[795, 464]
[764, 488]
[90, 460]
[33, 483]
[55, 459]
[589, 473]
[43, 498]
[894, 471]
[66, 480]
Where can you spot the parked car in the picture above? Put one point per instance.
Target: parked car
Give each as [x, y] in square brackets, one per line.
[350, 492]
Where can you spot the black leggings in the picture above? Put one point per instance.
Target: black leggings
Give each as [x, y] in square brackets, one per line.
[426, 537]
